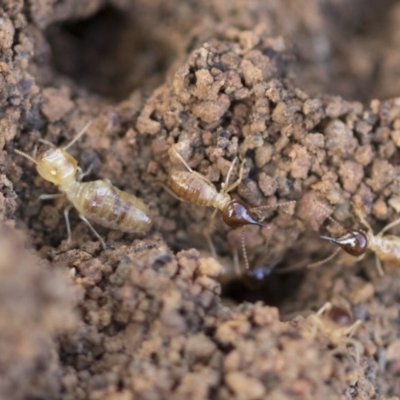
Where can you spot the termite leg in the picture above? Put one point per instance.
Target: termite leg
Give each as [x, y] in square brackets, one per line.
[182, 161]
[236, 263]
[68, 225]
[207, 232]
[325, 260]
[389, 226]
[379, 268]
[317, 323]
[326, 307]
[169, 190]
[228, 176]
[80, 174]
[225, 187]
[378, 263]
[47, 196]
[362, 219]
[85, 220]
[350, 331]
[348, 341]
[190, 169]
[302, 264]
[34, 152]
[210, 244]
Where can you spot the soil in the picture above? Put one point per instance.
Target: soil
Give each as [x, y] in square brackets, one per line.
[304, 96]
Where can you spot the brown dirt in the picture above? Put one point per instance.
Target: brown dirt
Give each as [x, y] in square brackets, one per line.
[297, 91]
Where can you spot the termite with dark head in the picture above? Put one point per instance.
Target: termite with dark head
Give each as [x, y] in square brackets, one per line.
[356, 242]
[191, 186]
[337, 324]
[96, 200]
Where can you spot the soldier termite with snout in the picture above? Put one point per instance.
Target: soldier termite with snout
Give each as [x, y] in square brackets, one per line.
[98, 200]
[356, 242]
[189, 185]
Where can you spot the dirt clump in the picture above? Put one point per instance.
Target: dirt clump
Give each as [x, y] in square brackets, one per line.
[37, 308]
[157, 318]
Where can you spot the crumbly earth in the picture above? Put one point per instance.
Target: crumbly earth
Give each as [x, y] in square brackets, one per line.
[303, 96]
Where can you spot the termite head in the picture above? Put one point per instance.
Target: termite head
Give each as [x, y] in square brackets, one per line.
[236, 214]
[340, 316]
[353, 242]
[56, 166]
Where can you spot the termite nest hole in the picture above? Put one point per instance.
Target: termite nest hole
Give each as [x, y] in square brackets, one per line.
[110, 53]
[272, 289]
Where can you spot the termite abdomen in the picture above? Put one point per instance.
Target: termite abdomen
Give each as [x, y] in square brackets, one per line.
[190, 187]
[111, 207]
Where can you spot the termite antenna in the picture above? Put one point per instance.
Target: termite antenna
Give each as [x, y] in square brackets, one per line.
[246, 259]
[21, 153]
[328, 213]
[325, 260]
[47, 142]
[181, 159]
[298, 266]
[78, 136]
[283, 204]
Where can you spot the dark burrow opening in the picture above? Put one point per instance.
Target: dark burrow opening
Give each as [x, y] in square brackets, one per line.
[110, 53]
[270, 284]
[273, 290]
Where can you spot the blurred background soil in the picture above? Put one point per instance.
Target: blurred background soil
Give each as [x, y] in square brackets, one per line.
[305, 92]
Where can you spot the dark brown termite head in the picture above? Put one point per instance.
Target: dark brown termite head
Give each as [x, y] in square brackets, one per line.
[353, 242]
[236, 214]
[340, 316]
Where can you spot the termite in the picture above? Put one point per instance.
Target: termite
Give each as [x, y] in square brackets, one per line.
[356, 242]
[98, 200]
[195, 188]
[335, 323]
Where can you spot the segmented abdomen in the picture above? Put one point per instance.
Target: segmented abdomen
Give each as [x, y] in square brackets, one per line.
[111, 207]
[189, 186]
